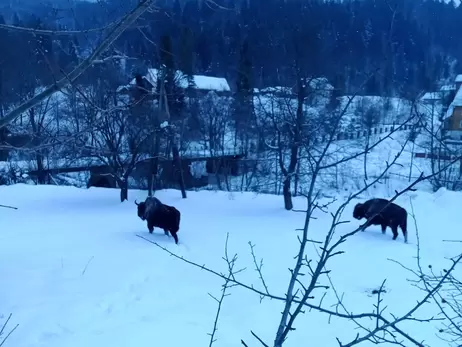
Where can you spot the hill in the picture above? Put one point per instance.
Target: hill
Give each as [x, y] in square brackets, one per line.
[82, 277]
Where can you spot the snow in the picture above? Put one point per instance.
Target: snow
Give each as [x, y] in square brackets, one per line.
[75, 274]
[458, 78]
[211, 83]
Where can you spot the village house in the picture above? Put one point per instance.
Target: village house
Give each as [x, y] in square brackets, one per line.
[431, 98]
[200, 84]
[453, 118]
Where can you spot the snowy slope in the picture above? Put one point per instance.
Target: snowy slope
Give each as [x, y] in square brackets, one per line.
[74, 273]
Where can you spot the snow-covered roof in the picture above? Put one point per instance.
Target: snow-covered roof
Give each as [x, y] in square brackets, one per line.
[211, 83]
[457, 102]
[458, 78]
[431, 96]
[201, 82]
[448, 87]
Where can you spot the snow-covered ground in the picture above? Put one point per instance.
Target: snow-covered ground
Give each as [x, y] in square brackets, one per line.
[74, 273]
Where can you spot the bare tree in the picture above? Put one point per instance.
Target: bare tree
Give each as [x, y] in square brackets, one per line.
[370, 118]
[287, 118]
[215, 121]
[120, 140]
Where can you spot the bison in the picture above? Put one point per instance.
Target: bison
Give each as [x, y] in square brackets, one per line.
[159, 215]
[383, 213]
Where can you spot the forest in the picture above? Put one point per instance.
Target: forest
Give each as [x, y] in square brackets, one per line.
[413, 44]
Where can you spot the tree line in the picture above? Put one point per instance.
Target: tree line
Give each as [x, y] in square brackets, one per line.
[412, 43]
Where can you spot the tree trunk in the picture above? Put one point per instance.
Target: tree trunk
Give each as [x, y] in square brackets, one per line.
[288, 205]
[365, 155]
[412, 162]
[41, 175]
[173, 143]
[152, 179]
[123, 185]
[177, 160]
[297, 179]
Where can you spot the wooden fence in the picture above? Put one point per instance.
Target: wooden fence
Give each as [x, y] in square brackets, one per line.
[375, 131]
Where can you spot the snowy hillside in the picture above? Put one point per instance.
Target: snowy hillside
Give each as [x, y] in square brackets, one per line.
[74, 273]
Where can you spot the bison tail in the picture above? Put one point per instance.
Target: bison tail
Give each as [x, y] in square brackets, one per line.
[177, 220]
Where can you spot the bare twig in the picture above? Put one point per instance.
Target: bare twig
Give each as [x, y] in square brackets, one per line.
[2, 330]
[6, 206]
[225, 287]
[86, 266]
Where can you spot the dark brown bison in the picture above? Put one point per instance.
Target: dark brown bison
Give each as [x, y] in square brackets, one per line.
[160, 215]
[384, 213]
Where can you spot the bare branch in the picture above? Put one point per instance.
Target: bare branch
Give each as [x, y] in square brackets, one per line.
[2, 330]
[118, 29]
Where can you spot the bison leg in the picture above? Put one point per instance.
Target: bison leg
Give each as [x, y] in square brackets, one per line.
[404, 229]
[150, 227]
[166, 232]
[394, 229]
[175, 237]
[384, 228]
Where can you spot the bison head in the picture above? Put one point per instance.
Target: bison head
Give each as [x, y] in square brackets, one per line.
[141, 209]
[359, 212]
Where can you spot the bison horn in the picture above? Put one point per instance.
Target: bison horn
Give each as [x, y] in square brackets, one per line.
[136, 203]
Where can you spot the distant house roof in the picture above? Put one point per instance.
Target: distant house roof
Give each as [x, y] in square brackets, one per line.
[431, 96]
[457, 102]
[458, 78]
[448, 87]
[200, 82]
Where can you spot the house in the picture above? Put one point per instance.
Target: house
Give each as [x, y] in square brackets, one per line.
[458, 81]
[200, 84]
[453, 118]
[430, 98]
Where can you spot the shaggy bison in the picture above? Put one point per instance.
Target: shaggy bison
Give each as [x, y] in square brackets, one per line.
[386, 214]
[159, 215]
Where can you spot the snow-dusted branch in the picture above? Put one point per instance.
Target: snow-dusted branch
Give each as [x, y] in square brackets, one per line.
[34, 31]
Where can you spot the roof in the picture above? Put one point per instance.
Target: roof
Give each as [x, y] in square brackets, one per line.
[201, 82]
[431, 96]
[458, 78]
[448, 87]
[211, 83]
[457, 102]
